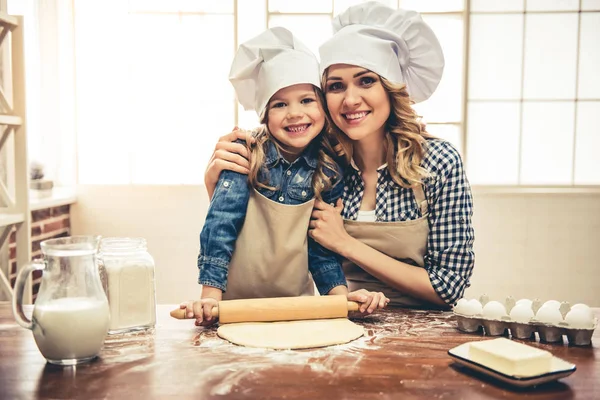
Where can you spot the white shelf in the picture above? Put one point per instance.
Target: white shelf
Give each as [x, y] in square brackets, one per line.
[13, 68]
[58, 196]
[7, 119]
[11, 219]
[8, 20]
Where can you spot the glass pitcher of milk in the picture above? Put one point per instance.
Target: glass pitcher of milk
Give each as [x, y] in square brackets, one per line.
[70, 316]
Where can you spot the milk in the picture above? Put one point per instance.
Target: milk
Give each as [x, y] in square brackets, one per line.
[70, 328]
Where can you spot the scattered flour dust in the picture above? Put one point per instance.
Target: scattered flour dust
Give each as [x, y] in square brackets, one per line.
[338, 360]
[252, 360]
[226, 368]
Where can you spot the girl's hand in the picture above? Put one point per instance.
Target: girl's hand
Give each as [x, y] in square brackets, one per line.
[201, 310]
[228, 155]
[369, 301]
[327, 227]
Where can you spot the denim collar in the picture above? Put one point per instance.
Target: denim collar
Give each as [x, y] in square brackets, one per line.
[309, 155]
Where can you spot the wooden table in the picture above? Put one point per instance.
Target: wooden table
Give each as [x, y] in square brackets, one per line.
[403, 355]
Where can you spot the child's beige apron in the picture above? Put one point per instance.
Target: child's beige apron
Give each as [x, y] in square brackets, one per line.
[405, 241]
[270, 258]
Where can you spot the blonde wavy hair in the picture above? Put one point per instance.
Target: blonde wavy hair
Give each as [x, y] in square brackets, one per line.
[405, 136]
[325, 159]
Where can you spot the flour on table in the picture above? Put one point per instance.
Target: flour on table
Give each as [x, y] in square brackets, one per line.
[226, 374]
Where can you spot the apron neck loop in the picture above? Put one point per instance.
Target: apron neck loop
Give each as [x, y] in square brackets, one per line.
[420, 198]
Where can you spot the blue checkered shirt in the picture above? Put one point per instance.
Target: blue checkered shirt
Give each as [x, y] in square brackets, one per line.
[449, 257]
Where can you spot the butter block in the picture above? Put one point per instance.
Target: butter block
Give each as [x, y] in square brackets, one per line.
[510, 357]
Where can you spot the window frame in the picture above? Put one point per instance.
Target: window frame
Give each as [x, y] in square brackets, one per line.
[528, 188]
[462, 125]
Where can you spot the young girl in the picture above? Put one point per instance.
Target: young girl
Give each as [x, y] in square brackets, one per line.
[254, 240]
[405, 226]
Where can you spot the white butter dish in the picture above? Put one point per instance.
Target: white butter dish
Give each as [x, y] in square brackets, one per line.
[558, 369]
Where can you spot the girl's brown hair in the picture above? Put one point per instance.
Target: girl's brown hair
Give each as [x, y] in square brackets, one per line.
[321, 182]
[405, 137]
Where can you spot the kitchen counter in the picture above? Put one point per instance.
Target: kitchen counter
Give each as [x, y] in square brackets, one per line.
[402, 355]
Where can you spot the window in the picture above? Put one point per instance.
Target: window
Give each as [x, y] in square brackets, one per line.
[49, 71]
[153, 94]
[534, 95]
[152, 88]
[520, 95]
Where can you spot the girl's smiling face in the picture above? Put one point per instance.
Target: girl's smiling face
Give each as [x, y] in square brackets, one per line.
[295, 117]
[358, 103]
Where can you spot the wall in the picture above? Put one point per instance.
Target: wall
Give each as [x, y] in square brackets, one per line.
[527, 245]
[537, 245]
[169, 217]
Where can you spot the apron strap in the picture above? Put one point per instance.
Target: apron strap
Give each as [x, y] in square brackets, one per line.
[420, 198]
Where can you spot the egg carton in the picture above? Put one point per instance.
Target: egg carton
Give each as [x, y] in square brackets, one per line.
[549, 333]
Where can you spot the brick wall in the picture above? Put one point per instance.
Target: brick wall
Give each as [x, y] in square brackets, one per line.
[47, 223]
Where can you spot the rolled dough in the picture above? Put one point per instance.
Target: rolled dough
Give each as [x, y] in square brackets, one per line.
[292, 334]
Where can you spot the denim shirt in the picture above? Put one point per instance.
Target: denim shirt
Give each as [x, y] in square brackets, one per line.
[227, 211]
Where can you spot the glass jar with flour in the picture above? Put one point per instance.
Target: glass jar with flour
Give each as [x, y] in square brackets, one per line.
[127, 275]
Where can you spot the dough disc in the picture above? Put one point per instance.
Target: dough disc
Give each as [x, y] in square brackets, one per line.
[291, 334]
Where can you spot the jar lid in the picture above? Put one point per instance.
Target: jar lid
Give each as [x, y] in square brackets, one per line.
[122, 245]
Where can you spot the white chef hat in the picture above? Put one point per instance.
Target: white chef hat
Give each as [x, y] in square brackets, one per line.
[396, 44]
[273, 60]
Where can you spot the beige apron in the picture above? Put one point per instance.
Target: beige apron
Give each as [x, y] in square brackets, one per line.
[405, 241]
[270, 258]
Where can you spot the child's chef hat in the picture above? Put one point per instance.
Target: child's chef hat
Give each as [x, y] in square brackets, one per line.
[396, 44]
[271, 61]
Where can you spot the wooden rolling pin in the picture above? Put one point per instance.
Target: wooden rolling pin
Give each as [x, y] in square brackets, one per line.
[279, 309]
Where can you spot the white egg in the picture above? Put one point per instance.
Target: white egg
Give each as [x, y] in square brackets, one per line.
[581, 306]
[494, 310]
[460, 306]
[472, 307]
[521, 313]
[549, 315]
[585, 308]
[527, 302]
[552, 303]
[579, 319]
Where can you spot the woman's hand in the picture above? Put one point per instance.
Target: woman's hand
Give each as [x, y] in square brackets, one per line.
[327, 227]
[228, 155]
[369, 301]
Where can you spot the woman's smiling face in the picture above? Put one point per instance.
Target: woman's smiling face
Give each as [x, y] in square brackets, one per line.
[357, 101]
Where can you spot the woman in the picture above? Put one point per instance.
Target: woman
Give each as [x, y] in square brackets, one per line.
[405, 226]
